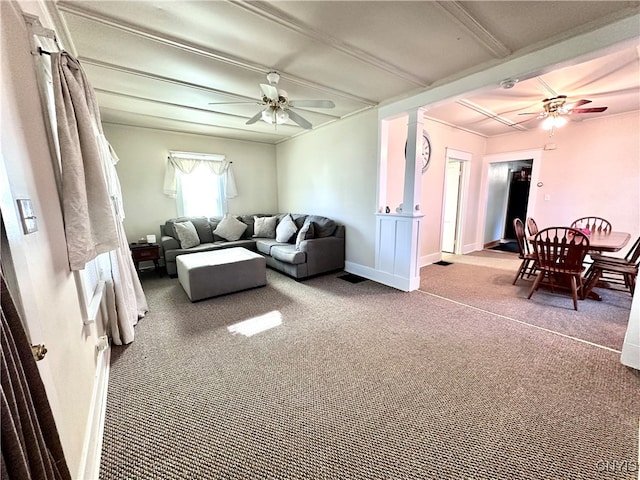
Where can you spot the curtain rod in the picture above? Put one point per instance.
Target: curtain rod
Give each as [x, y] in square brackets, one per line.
[170, 158]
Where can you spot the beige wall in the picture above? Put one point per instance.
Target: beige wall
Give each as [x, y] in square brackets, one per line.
[442, 137]
[332, 172]
[47, 289]
[595, 170]
[143, 155]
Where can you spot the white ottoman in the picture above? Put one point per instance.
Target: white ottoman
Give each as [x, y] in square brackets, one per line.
[209, 274]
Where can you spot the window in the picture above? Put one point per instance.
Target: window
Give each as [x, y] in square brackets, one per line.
[200, 193]
[201, 183]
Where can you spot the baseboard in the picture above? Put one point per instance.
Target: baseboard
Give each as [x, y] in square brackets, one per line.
[401, 283]
[92, 447]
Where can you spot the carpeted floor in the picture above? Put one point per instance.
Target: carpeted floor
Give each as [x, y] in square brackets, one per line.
[361, 381]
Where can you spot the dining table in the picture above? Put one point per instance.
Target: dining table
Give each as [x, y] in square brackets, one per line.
[608, 241]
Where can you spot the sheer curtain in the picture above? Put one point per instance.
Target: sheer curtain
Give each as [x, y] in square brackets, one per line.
[91, 197]
[187, 162]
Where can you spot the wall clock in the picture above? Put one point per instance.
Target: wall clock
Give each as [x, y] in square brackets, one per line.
[425, 154]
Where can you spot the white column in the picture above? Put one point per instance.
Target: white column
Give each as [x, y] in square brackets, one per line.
[413, 165]
[398, 234]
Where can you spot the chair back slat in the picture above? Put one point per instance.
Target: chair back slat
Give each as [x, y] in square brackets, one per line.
[594, 224]
[523, 245]
[633, 255]
[561, 249]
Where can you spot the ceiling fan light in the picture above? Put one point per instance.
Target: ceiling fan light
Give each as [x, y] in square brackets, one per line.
[281, 116]
[268, 115]
[553, 121]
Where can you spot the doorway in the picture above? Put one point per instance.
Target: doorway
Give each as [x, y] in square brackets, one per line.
[495, 188]
[451, 217]
[519, 186]
[454, 200]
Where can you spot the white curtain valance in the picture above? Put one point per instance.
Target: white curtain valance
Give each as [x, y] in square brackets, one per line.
[186, 163]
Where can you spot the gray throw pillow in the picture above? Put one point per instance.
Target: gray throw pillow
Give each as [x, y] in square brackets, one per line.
[265, 227]
[285, 229]
[187, 234]
[230, 228]
[203, 229]
[324, 227]
[306, 232]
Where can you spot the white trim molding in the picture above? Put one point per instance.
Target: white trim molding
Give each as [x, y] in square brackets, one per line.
[92, 447]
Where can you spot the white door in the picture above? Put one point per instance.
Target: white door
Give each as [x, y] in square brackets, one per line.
[451, 205]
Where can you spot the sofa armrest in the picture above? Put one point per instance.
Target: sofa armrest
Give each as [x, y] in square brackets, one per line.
[323, 254]
[169, 243]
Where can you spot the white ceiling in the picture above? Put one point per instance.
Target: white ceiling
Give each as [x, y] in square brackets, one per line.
[160, 64]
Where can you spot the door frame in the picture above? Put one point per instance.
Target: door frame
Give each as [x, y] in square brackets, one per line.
[535, 155]
[464, 158]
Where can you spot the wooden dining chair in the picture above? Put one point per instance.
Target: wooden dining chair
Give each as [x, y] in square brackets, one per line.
[560, 252]
[594, 224]
[615, 270]
[532, 226]
[529, 260]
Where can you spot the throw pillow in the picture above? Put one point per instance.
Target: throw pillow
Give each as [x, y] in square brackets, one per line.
[187, 234]
[307, 231]
[265, 227]
[230, 228]
[285, 229]
[324, 227]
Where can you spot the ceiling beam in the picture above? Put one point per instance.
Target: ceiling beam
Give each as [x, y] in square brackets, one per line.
[212, 54]
[462, 17]
[269, 12]
[489, 114]
[161, 78]
[277, 136]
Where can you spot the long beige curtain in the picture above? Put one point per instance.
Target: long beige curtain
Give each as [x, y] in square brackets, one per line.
[91, 197]
[31, 445]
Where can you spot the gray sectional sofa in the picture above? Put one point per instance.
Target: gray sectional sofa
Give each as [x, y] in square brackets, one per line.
[299, 246]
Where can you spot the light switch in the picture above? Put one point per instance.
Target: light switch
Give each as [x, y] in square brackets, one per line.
[547, 197]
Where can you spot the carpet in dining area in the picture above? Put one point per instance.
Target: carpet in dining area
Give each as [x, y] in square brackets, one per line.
[484, 280]
[359, 381]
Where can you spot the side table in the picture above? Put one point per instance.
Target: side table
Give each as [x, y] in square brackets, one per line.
[142, 252]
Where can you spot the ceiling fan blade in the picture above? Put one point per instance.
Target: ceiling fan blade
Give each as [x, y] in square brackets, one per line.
[304, 123]
[579, 103]
[589, 110]
[269, 91]
[312, 104]
[255, 118]
[255, 102]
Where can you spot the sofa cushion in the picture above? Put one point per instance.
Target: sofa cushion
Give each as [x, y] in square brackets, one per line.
[263, 245]
[298, 219]
[286, 229]
[200, 223]
[306, 232]
[203, 229]
[324, 227]
[187, 234]
[230, 228]
[288, 254]
[264, 227]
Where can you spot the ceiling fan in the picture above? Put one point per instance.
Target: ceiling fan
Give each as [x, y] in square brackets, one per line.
[277, 106]
[555, 109]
